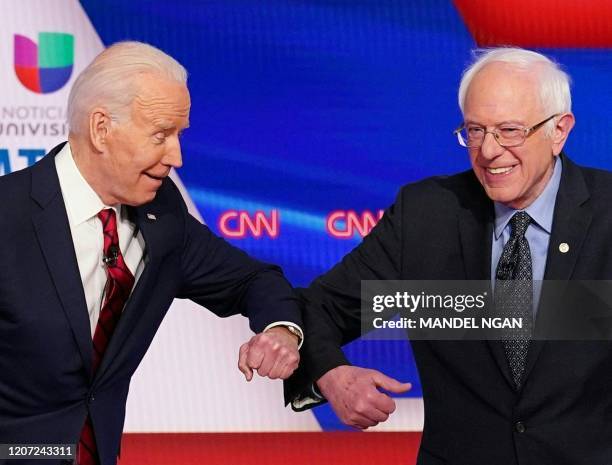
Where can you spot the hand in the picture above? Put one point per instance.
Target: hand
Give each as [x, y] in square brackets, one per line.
[354, 396]
[273, 353]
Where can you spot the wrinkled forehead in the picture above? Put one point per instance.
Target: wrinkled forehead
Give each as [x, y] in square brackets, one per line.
[158, 97]
[503, 91]
[502, 76]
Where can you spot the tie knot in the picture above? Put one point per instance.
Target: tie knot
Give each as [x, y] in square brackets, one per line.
[108, 219]
[519, 223]
[109, 230]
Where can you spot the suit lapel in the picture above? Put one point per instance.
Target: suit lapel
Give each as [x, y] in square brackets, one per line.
[571, 221]
[151, 225]
[55, 240]
[476, 231]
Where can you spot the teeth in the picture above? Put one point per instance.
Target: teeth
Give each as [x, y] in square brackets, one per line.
[500, 170]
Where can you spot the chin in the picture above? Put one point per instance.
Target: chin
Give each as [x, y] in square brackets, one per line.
[148, 198]
[496, 195]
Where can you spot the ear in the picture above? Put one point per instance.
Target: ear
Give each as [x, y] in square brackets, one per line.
[565, 123]
[99, 128]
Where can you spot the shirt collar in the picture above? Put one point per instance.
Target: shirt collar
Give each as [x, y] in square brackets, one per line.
[541, 210]
[82, 202]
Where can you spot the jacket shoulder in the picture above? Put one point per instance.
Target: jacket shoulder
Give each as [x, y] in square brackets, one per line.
[598, 184]
[598, 180]
[17, 180]
[442, 193]
[15, 188]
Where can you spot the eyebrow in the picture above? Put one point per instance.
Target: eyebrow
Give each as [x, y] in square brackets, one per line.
[167, 125]
[517, 122]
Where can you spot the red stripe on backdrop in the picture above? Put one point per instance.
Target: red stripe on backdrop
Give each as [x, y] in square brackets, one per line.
[334, 448]
[541, 23]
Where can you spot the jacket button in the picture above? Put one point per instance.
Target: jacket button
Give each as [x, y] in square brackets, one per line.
[91, 398]
[519, 427]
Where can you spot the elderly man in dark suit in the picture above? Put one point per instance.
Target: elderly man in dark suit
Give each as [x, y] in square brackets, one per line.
[97, 242]
[525, 211]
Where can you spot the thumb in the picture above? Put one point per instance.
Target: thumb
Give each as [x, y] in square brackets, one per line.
[390, 384]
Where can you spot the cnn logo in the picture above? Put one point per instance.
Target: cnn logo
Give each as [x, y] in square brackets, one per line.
[345, 224]
[238, 224]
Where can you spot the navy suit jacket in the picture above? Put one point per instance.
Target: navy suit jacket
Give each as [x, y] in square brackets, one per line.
[441, 229]
[46, 382]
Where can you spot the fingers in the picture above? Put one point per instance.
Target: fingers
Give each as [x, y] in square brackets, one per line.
[361, 422]
[273, 354]
[381, 402]
[365, 414]
[243, 366]
[255, 358]
[354, 396]
[283, 367]
[263, 362]
[390, 384]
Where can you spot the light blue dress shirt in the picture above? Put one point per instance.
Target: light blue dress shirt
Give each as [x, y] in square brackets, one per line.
[538, 233]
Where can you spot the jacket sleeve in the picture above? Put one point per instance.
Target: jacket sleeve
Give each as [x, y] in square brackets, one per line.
[332, 303]
[227, 281]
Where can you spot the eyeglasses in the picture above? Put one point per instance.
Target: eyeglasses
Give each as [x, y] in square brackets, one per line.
[506, 135]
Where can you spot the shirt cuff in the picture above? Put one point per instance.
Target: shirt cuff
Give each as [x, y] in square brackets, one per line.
[287, 323]
[308, 399]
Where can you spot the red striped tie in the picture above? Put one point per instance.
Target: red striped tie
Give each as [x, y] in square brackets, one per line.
[119, 284]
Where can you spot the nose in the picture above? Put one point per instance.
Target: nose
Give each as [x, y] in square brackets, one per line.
[173, 156]
[490, 148]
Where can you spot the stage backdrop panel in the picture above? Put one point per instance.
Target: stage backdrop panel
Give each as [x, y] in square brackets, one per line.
[307, 118]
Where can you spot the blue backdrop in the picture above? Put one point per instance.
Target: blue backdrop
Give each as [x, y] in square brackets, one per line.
[313, 106]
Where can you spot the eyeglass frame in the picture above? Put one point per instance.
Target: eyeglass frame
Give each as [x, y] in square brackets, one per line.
[526, 131]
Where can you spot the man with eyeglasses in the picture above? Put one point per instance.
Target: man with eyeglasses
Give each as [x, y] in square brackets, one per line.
[524, 212]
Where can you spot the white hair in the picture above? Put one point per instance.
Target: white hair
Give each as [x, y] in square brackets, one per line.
[554, 83]
[109, 81]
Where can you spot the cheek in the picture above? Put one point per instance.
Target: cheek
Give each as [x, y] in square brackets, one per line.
[533, 171]
[480, 173]
[151, 155]
[144, 157]
[473, 158]
[123, 156]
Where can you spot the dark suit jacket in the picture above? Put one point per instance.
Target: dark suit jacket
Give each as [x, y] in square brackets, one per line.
[441, 229]
[46, 382]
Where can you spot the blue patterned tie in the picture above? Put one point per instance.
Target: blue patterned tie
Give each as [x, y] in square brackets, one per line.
[514, 294]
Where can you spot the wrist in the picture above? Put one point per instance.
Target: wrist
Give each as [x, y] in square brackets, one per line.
[293, 332]
[329, 378]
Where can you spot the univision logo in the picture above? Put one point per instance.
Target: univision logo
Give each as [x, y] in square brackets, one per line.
[45, 67]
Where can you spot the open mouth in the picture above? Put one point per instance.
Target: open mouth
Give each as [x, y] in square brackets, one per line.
[500, 171]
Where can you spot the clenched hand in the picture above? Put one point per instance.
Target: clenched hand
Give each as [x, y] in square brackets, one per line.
[354, 396]
[273, 353]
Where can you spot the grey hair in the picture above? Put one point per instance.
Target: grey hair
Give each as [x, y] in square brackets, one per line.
[555, 96]
[109, 80]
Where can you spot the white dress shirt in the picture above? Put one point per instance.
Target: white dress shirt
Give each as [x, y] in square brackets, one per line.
[83, 205]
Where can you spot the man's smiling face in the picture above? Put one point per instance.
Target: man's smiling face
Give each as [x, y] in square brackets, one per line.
[502, 94]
